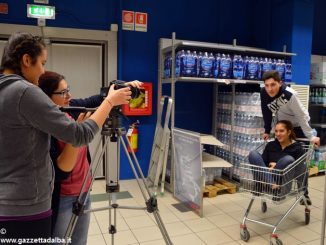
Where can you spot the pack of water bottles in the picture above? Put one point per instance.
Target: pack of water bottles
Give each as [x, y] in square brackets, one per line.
[247, 127]
[318, 95]
[225, 66]
[319, 159]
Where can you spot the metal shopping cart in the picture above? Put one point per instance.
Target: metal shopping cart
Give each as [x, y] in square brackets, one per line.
[275, 186]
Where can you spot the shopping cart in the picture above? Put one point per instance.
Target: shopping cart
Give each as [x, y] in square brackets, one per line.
[275, 186]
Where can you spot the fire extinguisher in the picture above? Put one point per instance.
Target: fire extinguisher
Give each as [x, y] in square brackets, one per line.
[132, 135]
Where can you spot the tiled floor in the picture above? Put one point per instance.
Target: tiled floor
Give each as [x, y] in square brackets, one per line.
[220, 225]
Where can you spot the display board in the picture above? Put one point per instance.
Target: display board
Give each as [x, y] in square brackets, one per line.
[188, 169]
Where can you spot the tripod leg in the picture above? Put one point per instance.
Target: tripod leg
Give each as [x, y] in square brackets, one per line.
[151, 202]
[81, 200]
[114, 205]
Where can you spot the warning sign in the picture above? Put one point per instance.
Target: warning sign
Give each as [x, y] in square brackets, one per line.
[128, 20]
[141, 22]
[3, 8]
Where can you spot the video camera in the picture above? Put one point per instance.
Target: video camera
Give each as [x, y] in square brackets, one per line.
[135, 92]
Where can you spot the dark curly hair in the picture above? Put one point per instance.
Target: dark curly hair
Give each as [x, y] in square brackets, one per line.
[49, 82]
[18, 45]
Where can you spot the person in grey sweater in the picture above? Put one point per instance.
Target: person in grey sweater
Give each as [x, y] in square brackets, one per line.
[281, 102]
[28, 119]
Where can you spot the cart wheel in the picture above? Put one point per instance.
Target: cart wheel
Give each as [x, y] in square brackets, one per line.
[276, 241]
[307, 218]
[245, 235]
[263, 207]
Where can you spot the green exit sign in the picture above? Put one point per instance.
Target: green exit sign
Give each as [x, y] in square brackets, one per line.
[40, 11]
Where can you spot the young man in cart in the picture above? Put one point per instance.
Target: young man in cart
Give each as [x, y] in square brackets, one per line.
[280, 102]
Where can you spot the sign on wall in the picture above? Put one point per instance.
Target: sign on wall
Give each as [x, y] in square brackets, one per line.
[141, 22]
[40, 11]
[3, 8]
[128, 20]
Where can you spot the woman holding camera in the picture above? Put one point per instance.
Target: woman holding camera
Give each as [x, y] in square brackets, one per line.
[28, 118]
[71, 163]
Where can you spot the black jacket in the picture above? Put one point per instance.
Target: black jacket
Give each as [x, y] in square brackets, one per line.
[273, 151]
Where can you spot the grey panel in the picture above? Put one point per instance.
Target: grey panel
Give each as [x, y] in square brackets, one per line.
[81, 65]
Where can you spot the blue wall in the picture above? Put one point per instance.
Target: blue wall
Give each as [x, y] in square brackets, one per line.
[319, 30]
[266, 24]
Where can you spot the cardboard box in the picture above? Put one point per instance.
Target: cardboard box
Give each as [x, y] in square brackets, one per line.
[319, 67]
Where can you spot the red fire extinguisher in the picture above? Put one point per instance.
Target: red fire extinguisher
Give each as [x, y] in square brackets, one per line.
[132, 135]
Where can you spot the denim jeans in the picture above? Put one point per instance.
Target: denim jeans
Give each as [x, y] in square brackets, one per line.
[255, 158]
[80, 233]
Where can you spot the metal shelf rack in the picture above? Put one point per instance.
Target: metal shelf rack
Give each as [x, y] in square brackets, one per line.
[174, 45]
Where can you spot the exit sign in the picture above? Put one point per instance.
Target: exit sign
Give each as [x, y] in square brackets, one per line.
[40, 11]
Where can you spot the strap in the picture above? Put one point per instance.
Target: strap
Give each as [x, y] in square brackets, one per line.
[10, 79]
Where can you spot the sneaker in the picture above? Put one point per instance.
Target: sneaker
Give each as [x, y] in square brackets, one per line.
[308, 201]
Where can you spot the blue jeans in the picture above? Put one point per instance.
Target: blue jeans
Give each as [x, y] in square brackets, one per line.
[80, 233]
[255, 158]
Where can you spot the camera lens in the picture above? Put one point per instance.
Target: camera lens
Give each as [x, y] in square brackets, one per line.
[135, 92]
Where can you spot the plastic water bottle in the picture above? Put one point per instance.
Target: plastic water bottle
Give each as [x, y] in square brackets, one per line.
[178, 63]
[288, 72]
[189, 64]
[199, 59]
[238, 67]
[264, 66]
[206, 65]
[225, 66]
[252, 69]
[194, 69]
[280, 67]
[216, 65]
[260, 68]
[166, 67]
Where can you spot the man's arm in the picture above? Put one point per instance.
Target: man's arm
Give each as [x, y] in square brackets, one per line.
[301, 116]
[267, 114]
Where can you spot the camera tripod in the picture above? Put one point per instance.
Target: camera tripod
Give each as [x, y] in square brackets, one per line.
[112, 186]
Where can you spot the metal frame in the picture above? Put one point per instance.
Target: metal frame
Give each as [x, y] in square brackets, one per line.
[170, 45]
[275, 186]
[158, 160]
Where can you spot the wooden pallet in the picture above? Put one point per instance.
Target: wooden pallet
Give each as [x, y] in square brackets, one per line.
[230, 187]
[220, 186]
[313, 171]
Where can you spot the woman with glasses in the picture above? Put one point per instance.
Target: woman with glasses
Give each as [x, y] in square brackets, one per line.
[28, 118]
[71, 163]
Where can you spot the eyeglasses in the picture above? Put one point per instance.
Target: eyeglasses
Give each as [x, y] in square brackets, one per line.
[64, 93]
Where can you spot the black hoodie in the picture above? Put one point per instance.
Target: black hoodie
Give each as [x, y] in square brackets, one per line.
[273, 151]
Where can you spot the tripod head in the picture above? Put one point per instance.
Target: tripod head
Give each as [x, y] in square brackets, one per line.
[112, 125]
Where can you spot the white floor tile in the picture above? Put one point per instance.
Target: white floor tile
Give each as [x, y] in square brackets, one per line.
[190, 239]
[222, 220]
[215, 236]
[94, 229]
[139, 222]
[220, 225]
[121, 238]
[303, 234]
[200, 224]
[147, 234]
[96, 239]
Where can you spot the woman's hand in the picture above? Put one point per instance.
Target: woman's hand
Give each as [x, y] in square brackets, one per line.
[135, 83]
[118, 96]
[265, 136]
[272, 165]
[83, 116]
